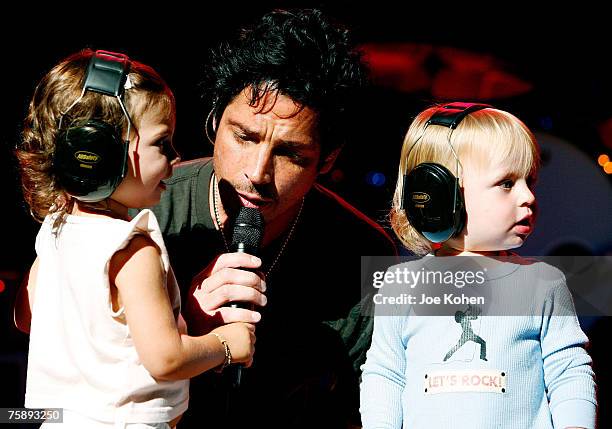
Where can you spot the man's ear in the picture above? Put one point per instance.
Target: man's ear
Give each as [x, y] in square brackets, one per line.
[215, 125]
[328, 163]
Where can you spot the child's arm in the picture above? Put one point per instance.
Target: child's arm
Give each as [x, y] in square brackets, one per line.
[167, 354]
[22, 314]
[383, 375]
[568, 375]
[181, 325]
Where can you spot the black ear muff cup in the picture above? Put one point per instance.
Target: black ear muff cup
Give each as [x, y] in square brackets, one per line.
[90, 160]
[433, 202]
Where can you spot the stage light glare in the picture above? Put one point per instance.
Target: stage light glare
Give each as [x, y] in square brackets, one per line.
[602, 159]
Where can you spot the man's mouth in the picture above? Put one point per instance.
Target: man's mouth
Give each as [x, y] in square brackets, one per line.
[253, 201]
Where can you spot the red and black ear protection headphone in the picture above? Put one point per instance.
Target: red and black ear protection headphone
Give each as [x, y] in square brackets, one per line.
[431, 195]
[90, 158]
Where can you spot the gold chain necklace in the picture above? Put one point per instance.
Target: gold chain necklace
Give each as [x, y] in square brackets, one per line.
[227, 247]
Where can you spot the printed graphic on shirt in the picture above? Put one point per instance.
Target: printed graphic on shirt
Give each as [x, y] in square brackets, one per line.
[473, 380]
[464, 318]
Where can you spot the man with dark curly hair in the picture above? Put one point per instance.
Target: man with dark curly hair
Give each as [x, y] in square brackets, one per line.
[283, 93]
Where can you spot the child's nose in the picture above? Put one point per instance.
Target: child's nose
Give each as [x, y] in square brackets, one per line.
[171, 153]
[527, 197]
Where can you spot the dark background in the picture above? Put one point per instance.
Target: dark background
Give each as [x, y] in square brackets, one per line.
[553, 63]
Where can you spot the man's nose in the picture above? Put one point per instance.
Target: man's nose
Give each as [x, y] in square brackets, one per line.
[261, 171]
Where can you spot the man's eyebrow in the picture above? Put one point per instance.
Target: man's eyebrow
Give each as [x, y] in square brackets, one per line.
[243, 128]
[290, 144]
[287, 144]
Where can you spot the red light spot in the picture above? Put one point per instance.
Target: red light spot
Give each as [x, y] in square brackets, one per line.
[447, 73]
[337, 175]
[2, 286]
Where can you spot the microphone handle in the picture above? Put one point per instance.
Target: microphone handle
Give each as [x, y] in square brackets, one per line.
[235, 371]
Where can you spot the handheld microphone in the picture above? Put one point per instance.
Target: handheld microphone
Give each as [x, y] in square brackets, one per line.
[248, 231]
[246, 238]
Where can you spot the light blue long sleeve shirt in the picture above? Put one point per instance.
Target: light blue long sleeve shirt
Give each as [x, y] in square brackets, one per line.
[430, 371]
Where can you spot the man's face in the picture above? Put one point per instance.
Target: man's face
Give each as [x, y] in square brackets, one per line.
[266, 156]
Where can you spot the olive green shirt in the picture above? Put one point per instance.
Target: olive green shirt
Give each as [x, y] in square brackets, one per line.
[314, 333]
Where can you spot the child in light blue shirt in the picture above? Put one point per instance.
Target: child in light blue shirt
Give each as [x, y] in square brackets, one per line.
[465, 190]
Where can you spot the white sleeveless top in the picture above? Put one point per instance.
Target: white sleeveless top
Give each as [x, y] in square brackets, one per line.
[81, 358]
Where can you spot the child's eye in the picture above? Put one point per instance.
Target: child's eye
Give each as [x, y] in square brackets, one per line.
[166, 148]
[162, 143]
[507, 184]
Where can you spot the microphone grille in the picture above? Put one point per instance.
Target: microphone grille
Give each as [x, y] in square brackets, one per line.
[248, 228]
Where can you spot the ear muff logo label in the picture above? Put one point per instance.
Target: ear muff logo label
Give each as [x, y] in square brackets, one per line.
[87, 157]
[420, 198]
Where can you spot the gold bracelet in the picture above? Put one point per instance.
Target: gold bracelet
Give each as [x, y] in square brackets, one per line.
[228, 354]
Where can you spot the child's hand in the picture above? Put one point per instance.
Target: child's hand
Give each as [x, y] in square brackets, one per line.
[240, 338]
